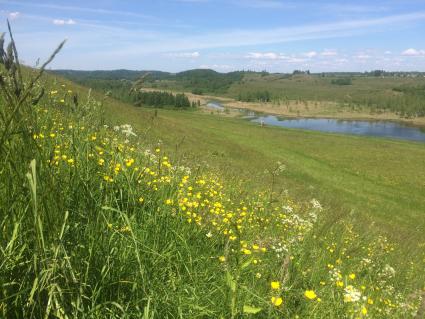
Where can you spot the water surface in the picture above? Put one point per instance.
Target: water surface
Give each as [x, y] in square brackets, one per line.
[386, 129]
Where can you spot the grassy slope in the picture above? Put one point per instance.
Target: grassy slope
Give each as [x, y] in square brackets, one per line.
[178, 277]
[380, 180]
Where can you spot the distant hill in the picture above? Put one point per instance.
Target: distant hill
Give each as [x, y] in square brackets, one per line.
[121, 74]
[199, 80]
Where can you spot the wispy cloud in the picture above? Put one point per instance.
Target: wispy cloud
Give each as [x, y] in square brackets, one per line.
[64, 22]
[192, 55]
[310, 54]
[241, 38]
[329, 53]
[413, 52]
[79, 9]
[14, 15]
[265, 56]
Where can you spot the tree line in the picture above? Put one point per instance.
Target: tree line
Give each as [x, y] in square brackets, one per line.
[162, 99]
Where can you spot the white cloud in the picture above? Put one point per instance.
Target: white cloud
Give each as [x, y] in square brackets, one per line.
[413, 52]
[265, 56]
[310, 54]
[64, 22]
[14, 15]
[362, 56]
[193, 55]
[329, 53]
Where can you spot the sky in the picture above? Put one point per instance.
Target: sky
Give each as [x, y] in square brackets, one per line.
[224, 35]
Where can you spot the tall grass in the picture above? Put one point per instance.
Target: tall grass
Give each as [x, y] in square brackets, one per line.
[94, 225]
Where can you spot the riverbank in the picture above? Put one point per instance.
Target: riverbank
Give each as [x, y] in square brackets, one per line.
[297, 109]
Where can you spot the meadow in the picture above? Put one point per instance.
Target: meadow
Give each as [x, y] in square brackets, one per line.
[114, 211]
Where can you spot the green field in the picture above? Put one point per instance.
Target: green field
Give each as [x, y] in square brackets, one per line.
[108, 210]
[374, 178]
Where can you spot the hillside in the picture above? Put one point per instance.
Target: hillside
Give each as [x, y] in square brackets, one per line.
[113, 211]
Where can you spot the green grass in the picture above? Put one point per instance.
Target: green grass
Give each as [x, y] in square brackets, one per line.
[375, 178]
[182, 221]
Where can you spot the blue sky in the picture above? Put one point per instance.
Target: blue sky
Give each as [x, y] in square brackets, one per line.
[225, 35]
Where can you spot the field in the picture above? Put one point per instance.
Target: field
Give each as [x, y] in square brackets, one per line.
[376, 178]
[109, 210]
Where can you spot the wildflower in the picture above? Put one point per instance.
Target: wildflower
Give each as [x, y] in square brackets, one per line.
[108, 178]
[277, 301]
[310, 294]
[364, 311]
[62, 101]
[209, 235]
[258, 275]
[370, 301]
[351, 294]
[275, 285]
[141, 200]
[222, 259]
[247, 252]
[169, 202]
[339, 283]
[352, 276]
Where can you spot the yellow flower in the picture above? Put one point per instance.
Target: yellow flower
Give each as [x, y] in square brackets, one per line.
[141, 200]
[277, 301]
[310, 294]
[247, 252]
[339, 283]
[352, 276]
[364, 310]
[222, 259]
[370, 301]
[275, 285]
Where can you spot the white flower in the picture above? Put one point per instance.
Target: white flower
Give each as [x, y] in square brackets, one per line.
[351, 294]
[316, 204]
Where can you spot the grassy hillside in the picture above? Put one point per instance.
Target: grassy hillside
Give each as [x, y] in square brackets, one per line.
[112, 211]
[372, 177]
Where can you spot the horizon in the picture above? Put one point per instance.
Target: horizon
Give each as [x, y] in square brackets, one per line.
[177, 35]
